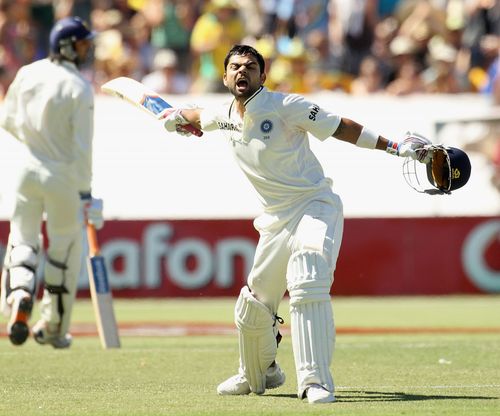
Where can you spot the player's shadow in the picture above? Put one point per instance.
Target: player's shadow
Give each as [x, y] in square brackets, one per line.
[397, 396]
[355, 396]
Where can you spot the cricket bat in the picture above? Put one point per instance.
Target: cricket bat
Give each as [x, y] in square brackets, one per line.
[100, 293]
[138, 94]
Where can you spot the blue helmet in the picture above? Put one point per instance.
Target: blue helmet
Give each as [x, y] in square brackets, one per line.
[452, 173]
[448, 170]
[65, 33]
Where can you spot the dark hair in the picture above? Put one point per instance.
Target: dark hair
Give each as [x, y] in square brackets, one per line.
[245, 50]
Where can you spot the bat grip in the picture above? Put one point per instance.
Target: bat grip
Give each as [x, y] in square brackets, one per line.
[192, 130]
[94, 249]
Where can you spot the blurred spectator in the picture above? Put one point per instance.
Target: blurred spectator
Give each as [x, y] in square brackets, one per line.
[288, 71]
[384, 34]
[111, 53]
[369, 80]
[483, 21]
[387, 7]
[136, 36]
[42, 13]
[171, 23]
[352, 26]
[166, 78]
[214, 33]
[278, 17]
[310, 15]
[323, 72]
[408, 80]
[334, 37]
[440, 76]
[253, 17]
[18, 35]
[80, 8]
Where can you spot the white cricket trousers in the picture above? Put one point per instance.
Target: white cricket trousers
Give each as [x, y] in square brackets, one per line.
[299, 253]
[51, 191]
[319, 227]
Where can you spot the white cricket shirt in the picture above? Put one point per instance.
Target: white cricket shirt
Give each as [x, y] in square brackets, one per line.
[50, 108]
[271, 145]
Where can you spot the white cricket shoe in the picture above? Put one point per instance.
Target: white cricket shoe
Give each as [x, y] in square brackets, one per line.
[318, 394]
[43, 336]
[238, 384]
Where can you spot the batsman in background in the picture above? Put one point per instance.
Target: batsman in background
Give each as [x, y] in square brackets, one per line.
[300, 228]
[49, 107]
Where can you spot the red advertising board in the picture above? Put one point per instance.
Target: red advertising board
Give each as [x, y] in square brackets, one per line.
[379, 256]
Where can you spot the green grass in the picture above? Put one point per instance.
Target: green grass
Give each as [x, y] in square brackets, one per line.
[410, 374]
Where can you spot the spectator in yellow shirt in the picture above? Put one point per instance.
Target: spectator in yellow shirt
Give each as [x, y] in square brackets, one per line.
[214, 33]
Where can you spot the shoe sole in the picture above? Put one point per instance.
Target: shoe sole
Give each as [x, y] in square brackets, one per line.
[325, 400]
[19, 330]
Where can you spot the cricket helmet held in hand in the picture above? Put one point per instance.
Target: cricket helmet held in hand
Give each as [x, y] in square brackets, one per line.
[65, 33]
[448, 170]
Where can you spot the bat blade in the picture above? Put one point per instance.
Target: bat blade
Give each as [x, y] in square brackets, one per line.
[136, 93]
[100, 293]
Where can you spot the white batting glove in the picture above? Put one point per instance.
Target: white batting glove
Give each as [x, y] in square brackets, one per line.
[414, 146]
[92, 211]
[173, 120]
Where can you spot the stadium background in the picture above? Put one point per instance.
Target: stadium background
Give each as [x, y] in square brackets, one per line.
[179, 213]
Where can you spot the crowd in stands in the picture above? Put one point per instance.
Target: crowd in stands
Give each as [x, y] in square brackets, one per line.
[360, 47]
[398, 47]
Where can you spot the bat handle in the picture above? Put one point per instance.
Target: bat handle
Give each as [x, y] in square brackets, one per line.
[192, 130]
[94, 249]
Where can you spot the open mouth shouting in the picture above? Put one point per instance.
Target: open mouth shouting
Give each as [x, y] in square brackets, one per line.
[242, 85]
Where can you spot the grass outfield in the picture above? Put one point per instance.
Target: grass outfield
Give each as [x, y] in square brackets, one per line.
[394, 356]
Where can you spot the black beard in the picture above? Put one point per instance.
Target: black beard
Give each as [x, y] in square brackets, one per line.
[247, 94]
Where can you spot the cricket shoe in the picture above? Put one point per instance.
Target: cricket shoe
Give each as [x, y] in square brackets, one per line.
[21, 305]
[318, 394]
[238, 384]
[43, 336]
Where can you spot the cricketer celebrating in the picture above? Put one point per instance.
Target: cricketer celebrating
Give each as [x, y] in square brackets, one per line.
[300, 228]
[49, 107]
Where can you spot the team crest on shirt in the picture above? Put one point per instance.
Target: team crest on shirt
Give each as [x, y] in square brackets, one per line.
[266, 126]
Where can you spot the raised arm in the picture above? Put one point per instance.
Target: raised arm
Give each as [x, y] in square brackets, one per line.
[412, 146]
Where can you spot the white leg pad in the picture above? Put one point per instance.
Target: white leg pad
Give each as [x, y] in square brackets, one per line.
[61, 278]
[23, 261]
[19, 272]
[312, 327]
[257, 339]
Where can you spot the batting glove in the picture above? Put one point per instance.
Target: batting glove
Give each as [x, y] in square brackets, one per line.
[92, 211]
[413, 146]
[173, 120]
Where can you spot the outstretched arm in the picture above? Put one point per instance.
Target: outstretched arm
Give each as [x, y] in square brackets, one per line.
[350, 131]
[413, 145]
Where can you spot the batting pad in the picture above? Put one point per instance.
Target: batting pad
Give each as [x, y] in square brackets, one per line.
[61, 279]
[312, 325]
[257, 339]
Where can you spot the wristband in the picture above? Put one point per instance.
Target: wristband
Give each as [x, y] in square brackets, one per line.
[392, 148]
[367, 139]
